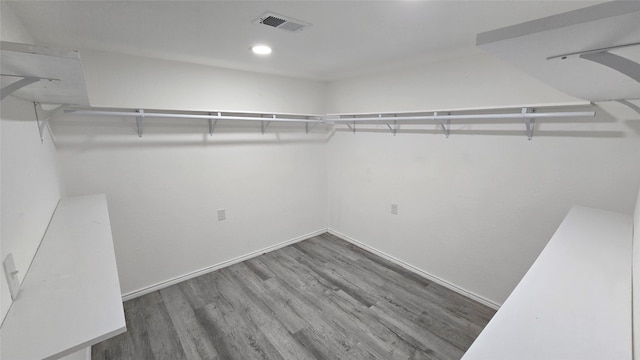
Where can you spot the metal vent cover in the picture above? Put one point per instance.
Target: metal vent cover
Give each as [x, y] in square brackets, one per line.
[281, 22]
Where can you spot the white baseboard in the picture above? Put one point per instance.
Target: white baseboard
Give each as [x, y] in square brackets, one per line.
[416, 270]
[409, 267]
[161, 285]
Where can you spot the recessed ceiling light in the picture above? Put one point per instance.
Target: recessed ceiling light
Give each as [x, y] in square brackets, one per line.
[261, 50]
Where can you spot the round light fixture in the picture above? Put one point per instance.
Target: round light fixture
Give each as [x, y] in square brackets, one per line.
[261, 50]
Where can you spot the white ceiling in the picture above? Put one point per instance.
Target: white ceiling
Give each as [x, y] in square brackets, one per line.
[346, 38]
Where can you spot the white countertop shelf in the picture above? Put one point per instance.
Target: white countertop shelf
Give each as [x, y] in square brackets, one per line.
[575, 300]
[70, 298]
[62, 66]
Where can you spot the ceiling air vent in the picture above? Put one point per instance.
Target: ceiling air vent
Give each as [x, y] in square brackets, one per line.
[281, 22]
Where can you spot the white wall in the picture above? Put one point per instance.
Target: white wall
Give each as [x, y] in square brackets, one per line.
[164, 189]
[636, 279]
[30, 188]
[476, 209]
[115, 80]
[13, 29]
[470, 81]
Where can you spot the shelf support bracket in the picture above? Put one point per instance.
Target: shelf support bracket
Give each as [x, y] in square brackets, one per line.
[615, 62]
[629, 104]
[13, 87]
[309, 128]
[352, 127]
[47, 119]
[139, 122]
[212, 124]
[446, 126]
[393, 128]
[11, 274]
[265, 124]
[602, 56]
[529, 123]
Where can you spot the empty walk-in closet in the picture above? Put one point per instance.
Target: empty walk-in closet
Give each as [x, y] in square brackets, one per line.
[319, 180]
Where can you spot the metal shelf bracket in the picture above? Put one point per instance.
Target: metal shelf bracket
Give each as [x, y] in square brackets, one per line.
[352, 127]
[139, 122]
[47, 118]
[309, 128]
[445, 125]
[602, 56]
[265, 124]
[17, 85]
[629, 104]
[615, 62]
[212, 124]
[394, 128]
[530, 123]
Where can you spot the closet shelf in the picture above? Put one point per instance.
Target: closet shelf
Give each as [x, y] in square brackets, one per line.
[525, 115]
[601, 62]
[443, 119]
[310, 121]
[70, 298]
[575, 300]
[41, 74]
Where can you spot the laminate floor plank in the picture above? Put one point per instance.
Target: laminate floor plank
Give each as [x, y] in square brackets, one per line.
[421, 338]
[193, 336]
[337, 281]
[325, 325]
[256, 313]
[396, 278]
[369, 332]
[460, 303]
[259, 268]
[322, 298]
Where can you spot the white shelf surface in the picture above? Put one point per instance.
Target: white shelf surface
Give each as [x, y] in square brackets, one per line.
[528, 45]
[43, 62]
[575, 300]
[70, 298]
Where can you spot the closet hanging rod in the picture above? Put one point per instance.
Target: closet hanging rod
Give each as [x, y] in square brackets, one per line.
[215, 116]
[437, 117]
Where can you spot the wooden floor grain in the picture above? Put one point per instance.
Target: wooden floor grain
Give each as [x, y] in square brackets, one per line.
[321, 298]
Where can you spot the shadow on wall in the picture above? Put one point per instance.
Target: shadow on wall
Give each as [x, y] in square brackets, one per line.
[634, 125]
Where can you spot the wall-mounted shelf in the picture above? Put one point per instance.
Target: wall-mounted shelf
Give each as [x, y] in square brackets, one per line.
[526, 116]
[443, 119]
[591, 53]
[70, 298]
[42, 75]
[575, 300]
[212, 118]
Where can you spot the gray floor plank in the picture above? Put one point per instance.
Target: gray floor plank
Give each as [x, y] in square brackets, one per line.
[322, 298]
[193, 336]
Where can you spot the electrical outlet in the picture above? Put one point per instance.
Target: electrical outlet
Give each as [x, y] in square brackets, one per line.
[222, 214]
[394, 209]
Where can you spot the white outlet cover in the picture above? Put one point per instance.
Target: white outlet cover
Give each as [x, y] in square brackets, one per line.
[11, 274]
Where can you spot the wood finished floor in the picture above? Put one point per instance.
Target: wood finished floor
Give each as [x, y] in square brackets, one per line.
[321, 298]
